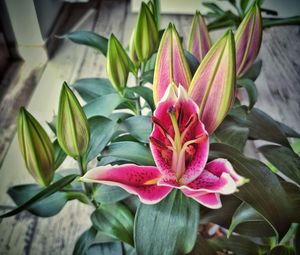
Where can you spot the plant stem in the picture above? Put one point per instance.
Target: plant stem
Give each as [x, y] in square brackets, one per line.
[87, 188]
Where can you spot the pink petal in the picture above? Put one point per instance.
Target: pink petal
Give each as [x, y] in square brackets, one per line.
[220, 165]
[213, 84]
[248, 40]
[138, 180]
[199, 40]
[171, 65]
[210, 200]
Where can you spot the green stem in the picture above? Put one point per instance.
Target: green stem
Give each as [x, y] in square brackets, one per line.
[138, 81]
[87, 188]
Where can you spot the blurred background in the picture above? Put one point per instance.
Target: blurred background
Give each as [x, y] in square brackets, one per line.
[34, 62]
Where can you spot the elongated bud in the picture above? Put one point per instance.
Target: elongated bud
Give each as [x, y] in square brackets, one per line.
[171, 65]
[132, 51]
[118, 64]
[199, 41]
[248, 40]
[145, 34]
[36, 148]
[151, 7]
[213, 84]
[73, 132]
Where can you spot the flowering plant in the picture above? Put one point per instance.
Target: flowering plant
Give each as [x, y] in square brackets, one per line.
[162, 162]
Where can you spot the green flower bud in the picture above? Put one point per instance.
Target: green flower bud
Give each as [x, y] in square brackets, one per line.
[73, 132]
[145, 34]
[36, 148]
[151, 7]
[118, 64]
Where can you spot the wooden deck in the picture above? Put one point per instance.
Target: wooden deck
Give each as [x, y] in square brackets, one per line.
[279, 96]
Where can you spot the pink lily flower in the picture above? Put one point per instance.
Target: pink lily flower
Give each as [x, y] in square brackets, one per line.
[179, 145]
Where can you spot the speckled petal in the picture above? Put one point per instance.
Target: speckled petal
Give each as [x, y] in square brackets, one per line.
[138, 180]
[210, 200]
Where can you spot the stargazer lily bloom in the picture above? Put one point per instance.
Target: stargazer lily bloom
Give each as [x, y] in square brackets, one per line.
[179, 144]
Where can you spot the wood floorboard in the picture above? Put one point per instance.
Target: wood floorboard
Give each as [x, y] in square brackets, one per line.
[279, 95]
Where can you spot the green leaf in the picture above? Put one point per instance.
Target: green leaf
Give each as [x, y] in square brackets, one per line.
[264, 192]
[250, 87]
[297, 240]
[282, 250]
[235, 244]
[145, 93]
[105, 249]
[139, 127]
[44, 193]
[229, 132]
[214, 7]
[169, 227]
[248, 221]
[223, 215]
[90, 39]
[202, 247]
[244, 5]
[105, 194]
[258, 122]
[91, 88]
[59, 155]
[271, 22]
[289, 132]
[192, 61]
[130, 151]
[254, 71]
[150, 64]
[45, 208]
[284, 159]
[102, 129]
[148, 76]
[103, 105]
[114, 220]
[84, 241]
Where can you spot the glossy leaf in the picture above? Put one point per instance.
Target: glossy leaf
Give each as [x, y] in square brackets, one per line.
[46, 207]
[114, 220]
[130, 151]
[192, 62]
[284, 159]
[103, 105]
[44, 193]
[254, 224]
[235, 244]
[105, 194]
[270, 22]
[102, 129]
[202, 247]
[199, 40]
[91, 88]
[276, 209]
[59, 155]
[213, 84]
[253, 72]
[282, 250]
[250, 87]
[73, 132]
[139, 127]
[248, 39]
[229, 132]
[169, 227]
[90, 39]
[84, 241]
[145, 93]
[171, 65]
[105, 249]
